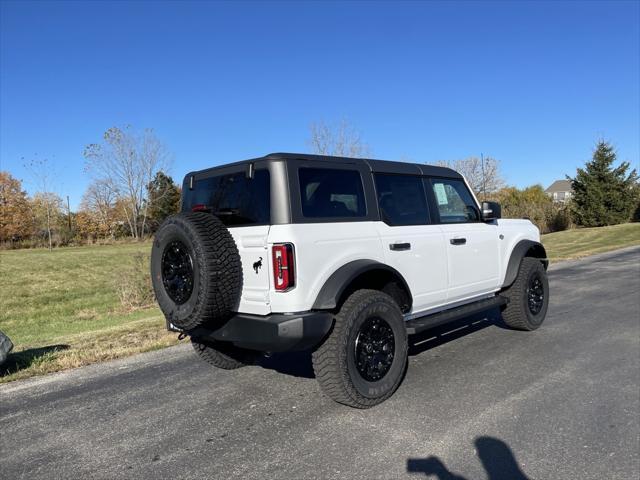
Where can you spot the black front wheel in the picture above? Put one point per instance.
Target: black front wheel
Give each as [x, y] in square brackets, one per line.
[362, 361]
[528, 296]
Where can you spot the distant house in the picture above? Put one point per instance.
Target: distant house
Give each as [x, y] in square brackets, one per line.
[560, 190]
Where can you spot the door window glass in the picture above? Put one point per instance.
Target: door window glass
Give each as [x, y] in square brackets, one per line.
[401, 199]
[454, 201]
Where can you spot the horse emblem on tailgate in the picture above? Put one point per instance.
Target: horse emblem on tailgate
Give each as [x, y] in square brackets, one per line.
[257, 265]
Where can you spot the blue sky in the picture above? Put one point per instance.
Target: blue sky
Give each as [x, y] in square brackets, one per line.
[531, 84]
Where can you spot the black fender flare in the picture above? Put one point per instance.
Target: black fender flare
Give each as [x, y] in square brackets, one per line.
[524, 248]
[339, 281]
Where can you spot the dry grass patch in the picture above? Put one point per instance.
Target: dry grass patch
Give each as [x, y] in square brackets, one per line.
[87, 348]
[76, 306]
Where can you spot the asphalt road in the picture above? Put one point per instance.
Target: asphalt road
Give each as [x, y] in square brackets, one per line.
[480, 402]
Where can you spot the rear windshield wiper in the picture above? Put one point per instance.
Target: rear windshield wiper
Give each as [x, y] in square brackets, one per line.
[232, 215]
[227, 211]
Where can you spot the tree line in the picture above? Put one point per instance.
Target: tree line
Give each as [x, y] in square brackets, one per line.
[131, 193]
[129, 196]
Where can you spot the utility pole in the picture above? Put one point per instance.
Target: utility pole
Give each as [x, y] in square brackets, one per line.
[484, 181]
[69, 215]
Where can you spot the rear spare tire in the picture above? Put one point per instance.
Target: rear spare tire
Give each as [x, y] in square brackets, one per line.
[195, 270]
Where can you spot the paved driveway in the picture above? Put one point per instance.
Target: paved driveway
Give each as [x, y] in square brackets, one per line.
[478, 402]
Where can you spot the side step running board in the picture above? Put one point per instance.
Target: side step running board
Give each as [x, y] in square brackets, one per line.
[421, 324]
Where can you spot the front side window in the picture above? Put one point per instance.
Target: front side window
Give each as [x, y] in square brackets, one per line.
[401, 199]
[454, 201]
[327, 193]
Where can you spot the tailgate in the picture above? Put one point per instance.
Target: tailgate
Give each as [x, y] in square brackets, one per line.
[254, 254]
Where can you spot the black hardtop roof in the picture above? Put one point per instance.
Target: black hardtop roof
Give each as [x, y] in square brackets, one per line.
[380, 166]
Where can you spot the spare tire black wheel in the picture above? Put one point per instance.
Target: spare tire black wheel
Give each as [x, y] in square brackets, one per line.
[195, 270]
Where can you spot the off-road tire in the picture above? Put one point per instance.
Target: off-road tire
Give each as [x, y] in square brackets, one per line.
[334, 359]
[517, 314]
[216, 269]
[225, 356]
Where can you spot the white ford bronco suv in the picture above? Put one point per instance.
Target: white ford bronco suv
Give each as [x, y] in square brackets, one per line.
[345, 257]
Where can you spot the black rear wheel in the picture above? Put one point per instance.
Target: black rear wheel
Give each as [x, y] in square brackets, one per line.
[362, 361]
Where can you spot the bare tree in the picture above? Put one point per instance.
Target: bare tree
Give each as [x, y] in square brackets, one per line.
[341, 140]
[125, 163]
[483, 175]
[41, 171]
[99, 199]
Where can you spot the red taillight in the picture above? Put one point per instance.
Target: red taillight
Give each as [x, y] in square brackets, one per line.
[283, 262]
[199, 208]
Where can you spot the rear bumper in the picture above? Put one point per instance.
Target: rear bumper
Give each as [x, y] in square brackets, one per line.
[278, 332]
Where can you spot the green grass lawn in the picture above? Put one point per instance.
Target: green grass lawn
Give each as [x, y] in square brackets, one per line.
[61, 308]
[581, 242]
[68, 298]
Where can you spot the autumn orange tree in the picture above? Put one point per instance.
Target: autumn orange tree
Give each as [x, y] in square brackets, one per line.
[16, 218]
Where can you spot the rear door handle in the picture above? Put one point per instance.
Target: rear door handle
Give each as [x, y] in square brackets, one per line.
[458, 241]
[400, 246]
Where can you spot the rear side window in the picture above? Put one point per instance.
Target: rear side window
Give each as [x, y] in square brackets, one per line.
[234, 198]
[402, 200]
[455, 203]
[327, 193]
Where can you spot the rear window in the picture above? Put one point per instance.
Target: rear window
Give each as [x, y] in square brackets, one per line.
[327, 193]
[234, 198]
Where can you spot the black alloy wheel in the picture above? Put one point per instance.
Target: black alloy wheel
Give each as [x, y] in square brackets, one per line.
[374, 349]
[363, 359]
[535, 294]
[528, 296]
[177, 272]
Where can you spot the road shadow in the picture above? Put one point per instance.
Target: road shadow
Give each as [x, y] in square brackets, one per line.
[17, 361]
[437, 336]
[494, 454]
[298, 364]
[295, 364]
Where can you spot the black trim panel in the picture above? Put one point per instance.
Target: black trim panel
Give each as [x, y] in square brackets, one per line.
[518, 253]
[339, 281]
[277, 332]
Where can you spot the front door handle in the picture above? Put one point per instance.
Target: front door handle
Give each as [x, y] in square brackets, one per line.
[458, 241]
[400, 246]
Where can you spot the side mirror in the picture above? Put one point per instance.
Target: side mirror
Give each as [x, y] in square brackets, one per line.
[491, 211]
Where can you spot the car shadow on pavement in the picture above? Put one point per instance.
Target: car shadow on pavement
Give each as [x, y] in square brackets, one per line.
[298, 364]
[434, 337]
[17, 361]
[494, 454]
